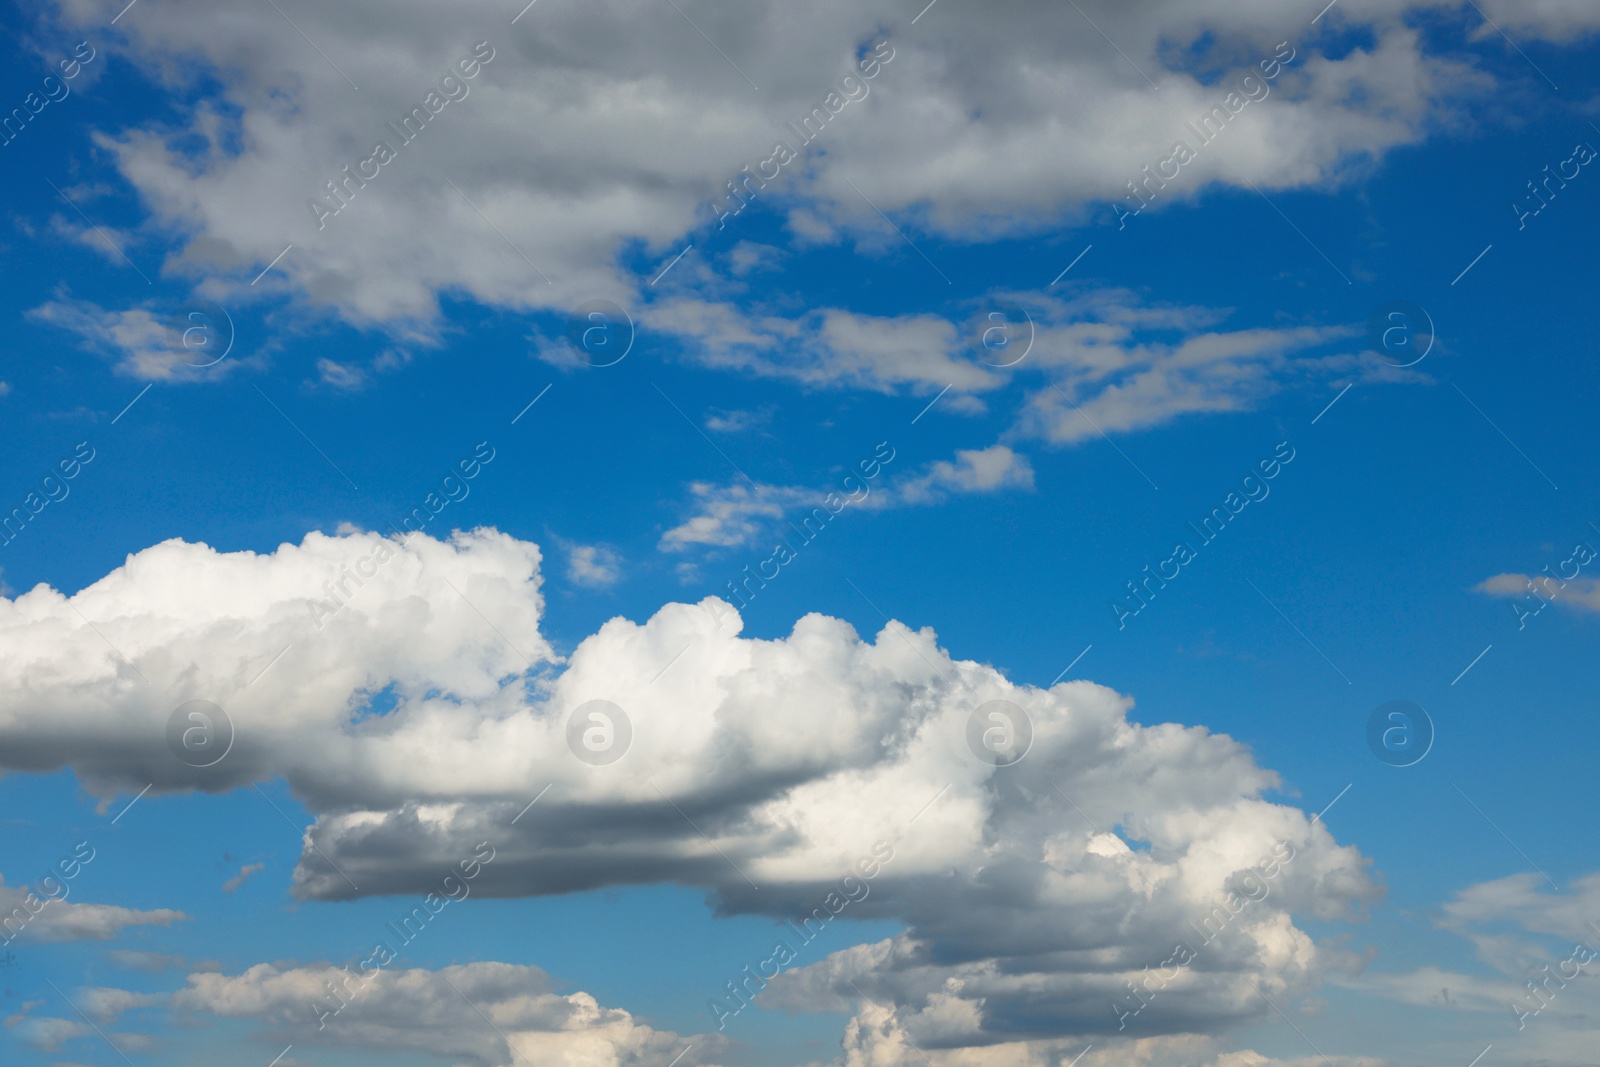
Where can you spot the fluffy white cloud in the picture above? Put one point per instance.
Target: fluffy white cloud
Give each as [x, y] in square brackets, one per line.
[41, 916]
[761, 770]
[601, 128]
[437, 1013]
[93, 683]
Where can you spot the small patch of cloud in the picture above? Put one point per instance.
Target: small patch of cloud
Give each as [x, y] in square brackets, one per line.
[239, 879]
[392, 359]
[726, 516]
[1579, 594]
[143, 345]
[110, 243]
[344, 377]
[105, 1005]
[58, 919]
[975, 470]
[737, 421]
[747, 257]
[595, 566]
[738, 513]
[1117, 364]
[44, 1033]
[827, 348]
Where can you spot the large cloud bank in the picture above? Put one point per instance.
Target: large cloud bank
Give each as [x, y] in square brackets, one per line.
[404, 691]
[606, 130]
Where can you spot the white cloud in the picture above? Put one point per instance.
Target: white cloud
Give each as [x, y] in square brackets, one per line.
[45, 1033]
[104, 1004]
[1118, 365]
[830, 347]
[593, 565]
[144, 346]
[42, 917]
[436, 1013]
[602, 127]
[740, 513]
[737, 421]
[341, 376]
[1579, 594]
[726, 516]
[1111, 360]
[975, 470]
[793, 756]
[199, 624]
[107, 241]
[873, 1039]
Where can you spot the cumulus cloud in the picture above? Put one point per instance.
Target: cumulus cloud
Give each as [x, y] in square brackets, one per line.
[601, 128]
[437, 1013]
[759, 770]
[406, 614]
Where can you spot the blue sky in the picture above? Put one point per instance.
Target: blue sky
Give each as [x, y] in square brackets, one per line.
[832, 324]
